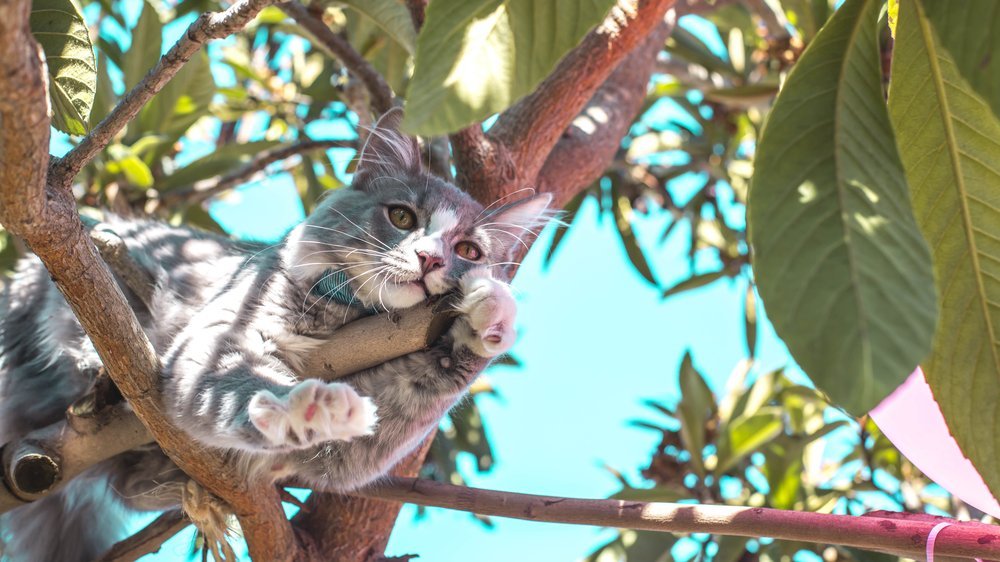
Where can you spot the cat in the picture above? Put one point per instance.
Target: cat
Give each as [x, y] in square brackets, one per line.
[233, 324]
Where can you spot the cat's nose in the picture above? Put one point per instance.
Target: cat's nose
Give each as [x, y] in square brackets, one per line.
[429, 263]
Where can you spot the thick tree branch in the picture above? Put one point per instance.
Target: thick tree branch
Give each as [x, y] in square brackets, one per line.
[46, 459]
[43, 213]
[592, 139]
[355, 527]
[205, 189]
[339, 47]
[531, 127]
[207, 27]
[901, 535]
[149, 539]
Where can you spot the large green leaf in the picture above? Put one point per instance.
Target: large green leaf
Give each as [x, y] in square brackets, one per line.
[966, 31]
[477, 57]
[948, 137]
[840, 264]
[59, 28]
[390, 15]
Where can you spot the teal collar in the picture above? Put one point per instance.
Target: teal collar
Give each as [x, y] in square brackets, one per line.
[335, 286]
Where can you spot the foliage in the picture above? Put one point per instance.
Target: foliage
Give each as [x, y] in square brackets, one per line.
[944, 114]
[860, 335]
[772, 442]
[837, 252]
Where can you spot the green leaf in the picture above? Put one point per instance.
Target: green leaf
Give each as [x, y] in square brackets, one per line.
[745, 435]
[694, 282]
[731, 549]
[105, 98]
[743, 96]
[621, 208]
[840, 264]
[948, 138]
[222, 160]
[147, 41]
[181, 102]
[136, 171]
[750, 320]
[687, 46]
[477, 57]
[783, 469]
[966, 33]
[696, 408]
[59, 28]
[390, 15]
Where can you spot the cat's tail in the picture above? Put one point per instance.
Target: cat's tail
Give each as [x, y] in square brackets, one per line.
[76, 524]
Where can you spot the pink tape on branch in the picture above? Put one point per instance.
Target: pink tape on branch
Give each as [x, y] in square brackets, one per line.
[932, 537]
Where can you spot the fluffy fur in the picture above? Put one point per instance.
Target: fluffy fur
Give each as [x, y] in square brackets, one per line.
[233, 323]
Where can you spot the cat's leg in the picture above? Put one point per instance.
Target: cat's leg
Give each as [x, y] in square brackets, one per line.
[233, 391]
[487, 313]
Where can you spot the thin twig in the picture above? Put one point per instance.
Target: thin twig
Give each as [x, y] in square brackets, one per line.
[902, 535]
[213, 25]
[382, 98]
[208, 188]
[149, 539]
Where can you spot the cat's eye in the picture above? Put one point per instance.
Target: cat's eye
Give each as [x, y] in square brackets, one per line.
[468, 250]
[402, 218]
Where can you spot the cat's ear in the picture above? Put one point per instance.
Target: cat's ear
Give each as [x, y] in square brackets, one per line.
[387, 151]
[510, 224]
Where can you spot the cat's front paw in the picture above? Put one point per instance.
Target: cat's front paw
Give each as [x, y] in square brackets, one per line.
[313, 412]
[488, 310]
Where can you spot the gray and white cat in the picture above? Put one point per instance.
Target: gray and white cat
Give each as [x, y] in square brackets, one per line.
[234, 323]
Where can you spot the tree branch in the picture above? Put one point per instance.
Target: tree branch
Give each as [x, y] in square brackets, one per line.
[208, 188]
[149, 539]
[530, 128]
[44, 460]
[42, 211]
[902, 535]
[213, 25]
[350, 527]
[382, 98]
[593, 138]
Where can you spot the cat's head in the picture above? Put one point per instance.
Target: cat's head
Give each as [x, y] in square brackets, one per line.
[400, 234]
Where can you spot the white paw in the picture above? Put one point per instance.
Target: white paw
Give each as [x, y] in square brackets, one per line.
[488, 311]
[313, 412]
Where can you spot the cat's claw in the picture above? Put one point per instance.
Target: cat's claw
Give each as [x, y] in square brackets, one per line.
[313, 412]
[488, 311]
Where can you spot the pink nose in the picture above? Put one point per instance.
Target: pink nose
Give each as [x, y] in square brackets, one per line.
[429, 263]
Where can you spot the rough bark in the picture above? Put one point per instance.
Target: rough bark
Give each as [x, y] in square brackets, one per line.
[590, 142]
[527, 132]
